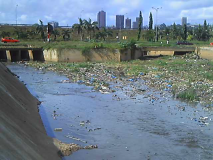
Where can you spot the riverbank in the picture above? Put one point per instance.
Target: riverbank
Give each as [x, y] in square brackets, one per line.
[187, 77]
[22, 134]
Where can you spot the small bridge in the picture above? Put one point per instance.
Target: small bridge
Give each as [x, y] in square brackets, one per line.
[21, 54]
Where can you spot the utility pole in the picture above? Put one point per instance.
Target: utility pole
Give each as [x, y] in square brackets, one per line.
[16, 14]
[156, 21]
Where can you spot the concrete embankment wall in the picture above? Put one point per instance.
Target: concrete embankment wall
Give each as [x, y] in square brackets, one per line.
[22, 134]
[98, 55]
[206, 52]
[78, 55]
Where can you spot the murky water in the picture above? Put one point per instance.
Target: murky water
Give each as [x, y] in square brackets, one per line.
[125, 126]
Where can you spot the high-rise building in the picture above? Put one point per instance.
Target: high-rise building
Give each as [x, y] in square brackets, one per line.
[135, 26]
[184, 21]
[120, 21]
[101, 18]
[136, 23]
[128, 23]
[54, 24]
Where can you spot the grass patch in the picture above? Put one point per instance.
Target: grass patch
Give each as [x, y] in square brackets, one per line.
[209, 76]
[188, 94]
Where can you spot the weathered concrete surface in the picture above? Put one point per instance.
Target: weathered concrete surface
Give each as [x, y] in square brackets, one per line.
[158, 53]
[93, 55]
[77, 55]
[206, 52]
[22, 134]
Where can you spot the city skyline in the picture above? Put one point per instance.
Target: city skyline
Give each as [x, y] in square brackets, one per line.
[67, 12]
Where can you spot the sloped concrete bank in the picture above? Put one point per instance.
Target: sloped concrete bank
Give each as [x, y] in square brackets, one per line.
[22, 134]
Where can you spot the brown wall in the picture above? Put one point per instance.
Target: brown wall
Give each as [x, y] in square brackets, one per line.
[206, 52]
[158, 53]
[77, 55]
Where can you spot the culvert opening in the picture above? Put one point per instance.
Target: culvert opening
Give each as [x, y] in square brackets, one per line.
[38, 55]
[25, 55]
[179, 53]
[3, 56]
[15, 55]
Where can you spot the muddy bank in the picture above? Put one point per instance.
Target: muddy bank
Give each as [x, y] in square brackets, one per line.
[22, 134]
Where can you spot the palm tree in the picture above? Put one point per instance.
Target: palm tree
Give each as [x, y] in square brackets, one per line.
[66, 34]
[90, 27]
[55, 33]
[105, 33]
[40, 29]
[80, 28]
[108, 32]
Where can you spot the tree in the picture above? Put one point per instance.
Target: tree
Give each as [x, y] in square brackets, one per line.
[205, 32]
[167, 31]
[150, 21]
[174, 31]
[198, 33]
[103, 34]
[139, 26]
[184, 32]
[90, 27]
[150, 35]
[80, 28]
[56, 33]
[162, 26]
[40, 29]
[66, 34]
[22, 33]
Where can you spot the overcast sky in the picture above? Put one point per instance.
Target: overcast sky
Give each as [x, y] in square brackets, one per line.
[67, 12]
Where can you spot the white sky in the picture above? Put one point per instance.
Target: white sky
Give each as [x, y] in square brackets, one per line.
[68, 11]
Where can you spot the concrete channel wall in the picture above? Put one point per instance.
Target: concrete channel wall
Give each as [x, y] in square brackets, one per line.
[205, 52]
[77, 55]
[97, 55]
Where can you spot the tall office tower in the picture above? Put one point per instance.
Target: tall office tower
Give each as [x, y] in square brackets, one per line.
[184, 21]
[135, 26]
[128, 23]
[136, 23]
[120, 21]
[101, 18]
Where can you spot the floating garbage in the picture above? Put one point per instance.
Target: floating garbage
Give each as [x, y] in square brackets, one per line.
[82, 123]
[58, 129]
[204, 118]
[113, 76]
[65, 81]
[132, 80]
[80, 81]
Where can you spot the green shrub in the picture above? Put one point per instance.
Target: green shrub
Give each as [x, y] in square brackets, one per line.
[129, 44]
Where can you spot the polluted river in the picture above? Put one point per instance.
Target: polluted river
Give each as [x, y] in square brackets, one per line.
[125, 125]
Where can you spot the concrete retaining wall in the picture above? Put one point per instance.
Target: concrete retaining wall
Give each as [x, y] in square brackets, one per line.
[97, 55]
[206, 52]
[77, 55]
